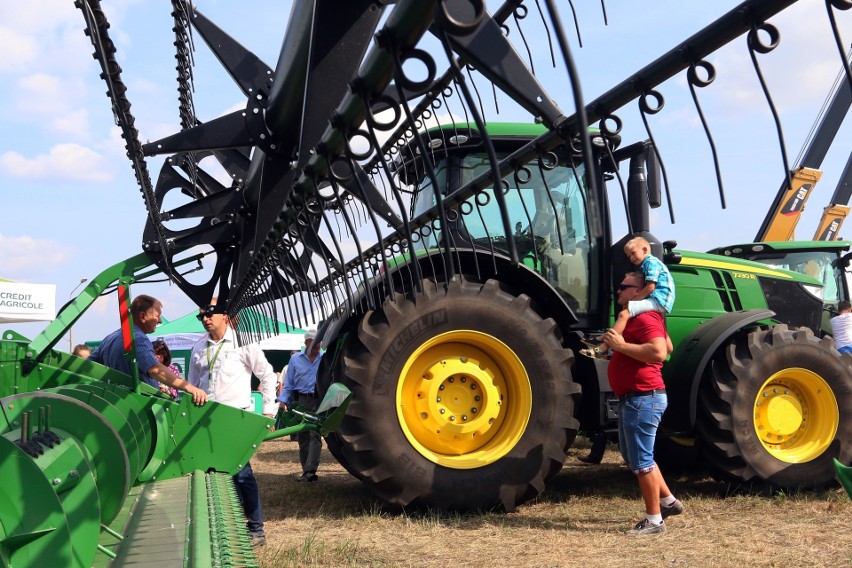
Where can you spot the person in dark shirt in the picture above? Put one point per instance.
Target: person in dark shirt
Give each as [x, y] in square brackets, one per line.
[146, 312]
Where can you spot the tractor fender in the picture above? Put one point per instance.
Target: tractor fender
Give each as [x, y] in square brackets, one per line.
[477, 265]
[683, 372]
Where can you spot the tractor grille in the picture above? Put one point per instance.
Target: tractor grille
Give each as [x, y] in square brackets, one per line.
[728, 295]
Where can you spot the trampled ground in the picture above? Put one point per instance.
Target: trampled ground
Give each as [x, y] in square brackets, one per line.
[579, 521]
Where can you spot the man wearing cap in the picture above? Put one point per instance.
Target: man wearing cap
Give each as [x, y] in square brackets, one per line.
[300, 387]
[223, 369]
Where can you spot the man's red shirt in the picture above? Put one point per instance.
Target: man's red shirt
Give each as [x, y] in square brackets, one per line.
[627, 374]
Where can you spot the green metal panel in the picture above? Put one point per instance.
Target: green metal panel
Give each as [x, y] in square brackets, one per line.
[213, 436]
[194, 520]
[34, 530]
[112, 470]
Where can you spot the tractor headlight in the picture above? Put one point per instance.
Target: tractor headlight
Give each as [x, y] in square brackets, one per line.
[813, 290]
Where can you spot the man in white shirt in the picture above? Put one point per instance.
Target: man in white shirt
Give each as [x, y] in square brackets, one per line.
[841, 327]
[223, 369]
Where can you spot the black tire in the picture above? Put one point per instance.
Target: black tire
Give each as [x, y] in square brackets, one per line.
[792, 388]
[331, 371]
[676, 455]
[401, 445]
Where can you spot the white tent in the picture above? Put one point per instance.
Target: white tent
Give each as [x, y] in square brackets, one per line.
[21, 302]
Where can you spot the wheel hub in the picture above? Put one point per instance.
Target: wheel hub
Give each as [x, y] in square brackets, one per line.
[464, 399]
[780, 414]
[795, 415]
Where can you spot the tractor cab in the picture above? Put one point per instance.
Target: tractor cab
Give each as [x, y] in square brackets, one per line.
[547, 202]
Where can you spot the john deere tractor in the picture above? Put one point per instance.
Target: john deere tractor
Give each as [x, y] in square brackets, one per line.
[454, 260]
[468, 390]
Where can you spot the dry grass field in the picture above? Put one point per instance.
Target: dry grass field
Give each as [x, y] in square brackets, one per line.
[579, 521]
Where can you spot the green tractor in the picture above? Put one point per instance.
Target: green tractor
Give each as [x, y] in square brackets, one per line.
[826, 260]
[468, 391]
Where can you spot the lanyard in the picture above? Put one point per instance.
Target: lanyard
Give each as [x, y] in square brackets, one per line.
[210, 364]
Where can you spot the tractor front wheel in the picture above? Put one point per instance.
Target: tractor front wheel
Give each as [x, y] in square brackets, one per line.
[462, 398]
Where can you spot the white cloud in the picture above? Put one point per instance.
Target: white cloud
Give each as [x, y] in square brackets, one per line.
[18, 50]
[798, 71]
[24, 257]
[42, 93]
[72, 123]
[65, 161]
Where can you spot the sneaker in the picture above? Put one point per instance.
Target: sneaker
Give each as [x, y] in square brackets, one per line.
[308, 478]
[257, 539]
[647, 527]
[675, 508]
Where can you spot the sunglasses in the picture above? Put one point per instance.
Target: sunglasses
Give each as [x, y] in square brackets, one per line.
[621, 287]
[207, 313]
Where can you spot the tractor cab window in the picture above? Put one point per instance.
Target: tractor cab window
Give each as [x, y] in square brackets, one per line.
[547, 214]
[816, 265]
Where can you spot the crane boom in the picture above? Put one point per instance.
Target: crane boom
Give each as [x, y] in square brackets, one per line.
[786, 209]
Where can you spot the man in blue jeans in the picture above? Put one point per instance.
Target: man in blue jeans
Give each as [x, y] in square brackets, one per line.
[222, 368]
[635, 376]
[300, 387]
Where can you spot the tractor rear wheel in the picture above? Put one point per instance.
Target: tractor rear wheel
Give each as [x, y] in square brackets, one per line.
[462, 398]
[776, 405]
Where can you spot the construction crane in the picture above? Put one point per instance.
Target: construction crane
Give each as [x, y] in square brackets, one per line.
[786, 210]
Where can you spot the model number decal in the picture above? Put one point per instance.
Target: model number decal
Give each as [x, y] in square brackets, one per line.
[743, 275]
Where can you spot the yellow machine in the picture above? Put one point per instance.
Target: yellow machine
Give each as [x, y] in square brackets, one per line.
[786, 215]
[786, 210]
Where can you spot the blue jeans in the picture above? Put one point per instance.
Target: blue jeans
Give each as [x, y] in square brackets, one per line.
[638, 419]
[250, 499]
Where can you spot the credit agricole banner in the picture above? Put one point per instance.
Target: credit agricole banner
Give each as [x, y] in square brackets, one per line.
[21, 302]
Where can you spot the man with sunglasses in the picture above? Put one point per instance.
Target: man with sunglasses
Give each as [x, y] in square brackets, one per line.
[223, 369]
[635, 376]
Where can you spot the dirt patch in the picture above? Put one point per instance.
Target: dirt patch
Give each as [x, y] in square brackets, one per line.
[579, 521]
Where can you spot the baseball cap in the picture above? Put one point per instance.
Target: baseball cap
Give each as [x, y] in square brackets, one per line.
[311, 333]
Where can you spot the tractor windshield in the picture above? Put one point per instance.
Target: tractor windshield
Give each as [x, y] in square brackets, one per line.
[816, 264]
[547, 212]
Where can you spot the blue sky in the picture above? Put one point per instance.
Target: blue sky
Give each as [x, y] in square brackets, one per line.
[71, 206]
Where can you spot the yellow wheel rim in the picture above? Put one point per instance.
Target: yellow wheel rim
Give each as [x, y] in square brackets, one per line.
[796, 415]
[463, 399]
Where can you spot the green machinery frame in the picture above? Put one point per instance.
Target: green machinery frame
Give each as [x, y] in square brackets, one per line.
[78, 440]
